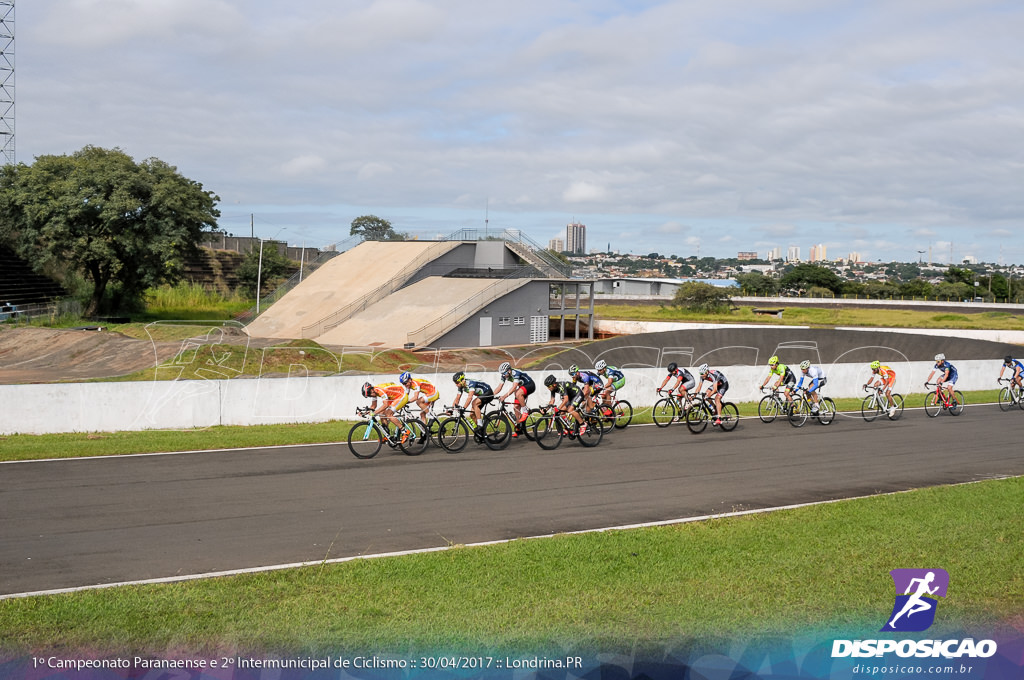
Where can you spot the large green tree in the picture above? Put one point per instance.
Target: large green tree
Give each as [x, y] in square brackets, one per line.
[124, 226]
[805, 276]
[373, 228]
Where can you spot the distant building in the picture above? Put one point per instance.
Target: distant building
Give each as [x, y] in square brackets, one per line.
[793, 254]
[576, 238]
[746, 256]
[774, 254]
[854, 257]
[556, 244]
[818, 253]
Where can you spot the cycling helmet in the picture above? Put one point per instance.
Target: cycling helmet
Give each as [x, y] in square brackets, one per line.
[774, 361]
[367, 390]
[875, 365]
[804, 365]
[939, 358]
[600, 365]
[672, 367]
[458, 377]
[550, 381]
[1007, 359]
[504, 369]
[574, 369]
[703, 369]
[405, 377]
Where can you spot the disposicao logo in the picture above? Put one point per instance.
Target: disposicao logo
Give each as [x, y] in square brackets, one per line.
[914, 610]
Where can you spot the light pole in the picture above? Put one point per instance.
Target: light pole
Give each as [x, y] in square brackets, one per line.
[259, 269]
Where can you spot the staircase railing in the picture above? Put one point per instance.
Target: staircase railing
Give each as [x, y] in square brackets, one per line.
[558, 269]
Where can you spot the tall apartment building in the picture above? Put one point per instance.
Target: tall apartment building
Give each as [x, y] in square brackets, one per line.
[793, 254]
[576, 238]
[774, 254]
[818, 253]
[746, 255]
[556, 244]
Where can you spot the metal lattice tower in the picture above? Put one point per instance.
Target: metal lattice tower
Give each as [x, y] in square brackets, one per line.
[7, 82]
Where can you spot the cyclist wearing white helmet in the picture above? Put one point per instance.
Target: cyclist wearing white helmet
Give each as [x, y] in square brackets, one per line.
[421, 391]
[947, 376]
[613, 378]
[1016, 368]
[815, 381]
[718, 387]
[882, 375]
[522, 386]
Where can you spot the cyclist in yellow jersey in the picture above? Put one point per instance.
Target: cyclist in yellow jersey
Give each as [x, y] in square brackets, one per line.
[392, 397]
[785, 376]
[420, 390]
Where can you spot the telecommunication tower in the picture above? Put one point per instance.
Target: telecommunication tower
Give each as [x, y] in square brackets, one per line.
[7, 82]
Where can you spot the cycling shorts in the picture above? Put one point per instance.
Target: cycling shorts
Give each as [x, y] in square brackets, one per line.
[951, 380]
[617, 384]
[429, 393]
[523, 391]
[888, 378]
[723, 387]
[400, 402]
[688, 385]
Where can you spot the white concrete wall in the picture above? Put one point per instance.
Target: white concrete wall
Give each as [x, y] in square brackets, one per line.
[189, 404]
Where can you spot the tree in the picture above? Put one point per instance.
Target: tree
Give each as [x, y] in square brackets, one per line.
[373, 228]
[702, 297]
[756, 283]
[273, 270]
[124, 226]
[806, 276]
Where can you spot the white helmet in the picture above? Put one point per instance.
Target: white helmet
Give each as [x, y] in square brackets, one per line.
[939, 358]
[703, 369]
[600, 365]
[805, 364]
[504, 368]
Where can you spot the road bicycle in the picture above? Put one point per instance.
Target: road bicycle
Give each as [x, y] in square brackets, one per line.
[939, 400]
[455, 430]
[876, 404]
[802, 409]
[617, 413]
[555, 424]
[670, 407]
[1010, 394]
[367, 437]
[702, 412]
[772, 405]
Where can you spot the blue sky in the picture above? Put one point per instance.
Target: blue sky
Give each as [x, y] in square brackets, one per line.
[877, 127]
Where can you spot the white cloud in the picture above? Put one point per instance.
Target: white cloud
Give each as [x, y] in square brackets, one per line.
[303, 165]
[583, 192]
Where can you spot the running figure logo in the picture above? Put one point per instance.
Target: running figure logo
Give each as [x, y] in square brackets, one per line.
[914, 610]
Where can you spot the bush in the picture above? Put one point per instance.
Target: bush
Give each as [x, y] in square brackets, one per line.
[702, 297]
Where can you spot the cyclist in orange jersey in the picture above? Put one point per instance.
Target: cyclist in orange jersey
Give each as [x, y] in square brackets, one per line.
[392, 397]
[420, 390]
[884, 376]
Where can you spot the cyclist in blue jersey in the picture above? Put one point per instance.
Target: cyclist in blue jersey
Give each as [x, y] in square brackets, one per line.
[613, 377]
[522, 386]
[572, 397]
[815, 378]
[478, 394]
[684, 382]
[1016, 369]
[947, 376]
[588, 381]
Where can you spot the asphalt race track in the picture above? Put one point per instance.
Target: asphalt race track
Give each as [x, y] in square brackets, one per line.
[93, 521]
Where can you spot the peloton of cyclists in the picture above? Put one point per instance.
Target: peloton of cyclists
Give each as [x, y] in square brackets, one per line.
[684, 381]
[572, 397]
[946, 376]
[883, 376]
[1016, 371]
[719, 386]
[815, 381]
[522, 386]
[478, 394]
[783, 374]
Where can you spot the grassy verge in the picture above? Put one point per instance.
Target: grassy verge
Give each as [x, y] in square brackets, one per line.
[820, 316]
[809, 570]
[81, 445]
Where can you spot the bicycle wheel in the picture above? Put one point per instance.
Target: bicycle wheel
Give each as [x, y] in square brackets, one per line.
[434, 430]
[594, 432]
[547, 431]
[532, 416]
[453, 434]
[730, 416]
[697, 419]
[416, 442]
[898, 401]
[365, 439]
[768, 408]
[497, 431]
[1019, 398]
[932, 404]
[799, 411]
[623, 413]
[664, 412]
[1006, 399]
[870, 408]
[827, 410]
[604, 417]
[957, 407]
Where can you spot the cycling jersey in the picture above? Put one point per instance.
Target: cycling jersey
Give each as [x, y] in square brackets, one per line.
[523, 380]
[946, 366]
[586, 378]
[717, 377]
[426, 388]
[682, 374]
[567, 389]
[784, 371]
[617, 377]
[887, 375]
[393, 392]
[815, 378]
[1016, 366]
[478, 388]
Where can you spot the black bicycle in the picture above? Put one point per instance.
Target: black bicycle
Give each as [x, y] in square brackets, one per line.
[554, 424]
[703, 411]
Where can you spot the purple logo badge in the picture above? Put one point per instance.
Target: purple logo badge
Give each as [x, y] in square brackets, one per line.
[916, 593]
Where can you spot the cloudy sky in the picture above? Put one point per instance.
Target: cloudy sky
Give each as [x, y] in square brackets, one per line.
[678, 126]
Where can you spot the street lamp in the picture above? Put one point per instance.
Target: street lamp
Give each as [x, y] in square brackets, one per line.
[259, 269]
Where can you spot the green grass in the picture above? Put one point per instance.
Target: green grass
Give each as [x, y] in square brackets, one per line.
[820, 316]
[809, 570]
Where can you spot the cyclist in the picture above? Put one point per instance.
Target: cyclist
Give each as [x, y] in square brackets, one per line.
[588, 381]
[947, 376]
[572, 397]
[785, 376]
[422, 391]
[478, 394]
[816, 380]
[392, 397]
[614, 380]
[684, 381]
[1016, 367]
[883, 376]
[522, 386]
[719, 386]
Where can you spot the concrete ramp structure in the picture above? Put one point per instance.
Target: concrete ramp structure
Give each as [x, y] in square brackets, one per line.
[446, 293]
